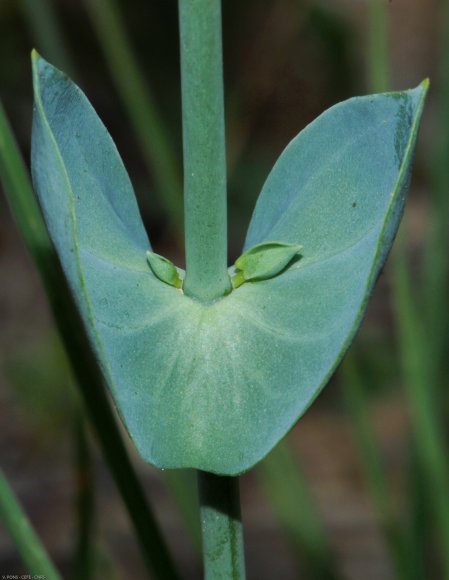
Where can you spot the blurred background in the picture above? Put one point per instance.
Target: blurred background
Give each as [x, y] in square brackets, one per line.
[360, 486]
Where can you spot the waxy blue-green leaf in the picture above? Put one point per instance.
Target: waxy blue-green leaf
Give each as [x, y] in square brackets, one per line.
[215, 386]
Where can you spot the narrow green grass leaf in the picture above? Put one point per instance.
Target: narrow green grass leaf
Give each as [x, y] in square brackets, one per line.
[429, 434]
[358, 406]
[19, 192]
[23, 535]
[379, 76]
[139, 104]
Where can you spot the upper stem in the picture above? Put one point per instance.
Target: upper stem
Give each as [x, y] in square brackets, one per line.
[204, 149]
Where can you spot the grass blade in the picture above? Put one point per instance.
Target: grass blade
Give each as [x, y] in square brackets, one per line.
[17, 188]
[23, 535]
[379, 75]
[426, 420]
[416, 352]
[139, 104]
[358, 407]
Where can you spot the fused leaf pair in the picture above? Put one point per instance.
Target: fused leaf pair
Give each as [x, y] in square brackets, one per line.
[215, 386]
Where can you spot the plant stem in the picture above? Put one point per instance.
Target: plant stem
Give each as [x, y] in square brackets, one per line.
[221, 526]
[24, 537]
[26, 212]
[205, 216]
[206, 244]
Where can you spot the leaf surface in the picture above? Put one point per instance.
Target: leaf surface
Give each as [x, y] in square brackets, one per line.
[215, 386]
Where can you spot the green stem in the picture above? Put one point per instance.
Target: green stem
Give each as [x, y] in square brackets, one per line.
[139, 103]
[26, 212]
[22, 534]
[221, 527]
[204, 149]
[378, 53]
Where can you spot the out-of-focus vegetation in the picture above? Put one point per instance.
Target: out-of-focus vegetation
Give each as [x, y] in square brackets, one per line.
[285, 62]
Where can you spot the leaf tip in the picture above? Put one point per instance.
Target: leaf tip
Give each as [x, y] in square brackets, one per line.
[421, 90]
[37, 60]
[38, 63]
[425, 84]
[41, 67]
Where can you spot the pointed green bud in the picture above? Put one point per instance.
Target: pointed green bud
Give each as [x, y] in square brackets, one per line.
[264, 261]
[164, 270]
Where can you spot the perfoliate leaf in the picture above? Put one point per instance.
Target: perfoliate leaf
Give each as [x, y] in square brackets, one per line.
[215, 386]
